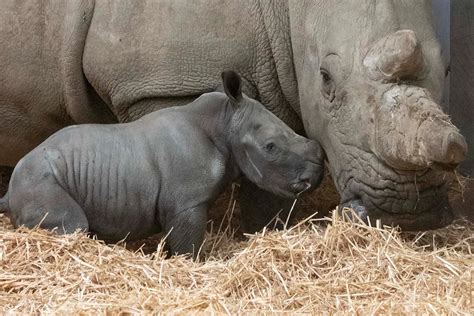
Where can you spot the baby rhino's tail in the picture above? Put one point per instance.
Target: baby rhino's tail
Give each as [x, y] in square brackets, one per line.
[4, 205]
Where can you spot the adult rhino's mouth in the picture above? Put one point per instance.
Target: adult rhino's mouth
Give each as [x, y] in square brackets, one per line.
[431, 210]
[413, 200]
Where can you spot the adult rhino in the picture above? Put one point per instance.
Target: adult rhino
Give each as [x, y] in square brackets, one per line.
[363, 78]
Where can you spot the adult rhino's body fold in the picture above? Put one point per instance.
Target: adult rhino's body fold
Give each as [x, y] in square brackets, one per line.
[42, 86]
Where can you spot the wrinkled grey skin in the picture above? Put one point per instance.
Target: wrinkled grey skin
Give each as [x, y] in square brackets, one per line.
[160, 172]
[364, 77]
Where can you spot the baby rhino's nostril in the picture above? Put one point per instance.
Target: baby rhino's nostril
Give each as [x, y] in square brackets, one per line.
[305, 177]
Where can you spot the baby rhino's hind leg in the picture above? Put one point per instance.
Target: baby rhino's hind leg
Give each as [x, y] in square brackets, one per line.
[45, 203]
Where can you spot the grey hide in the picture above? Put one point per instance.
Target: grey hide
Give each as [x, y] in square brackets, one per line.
[363, 77]
[160, 172]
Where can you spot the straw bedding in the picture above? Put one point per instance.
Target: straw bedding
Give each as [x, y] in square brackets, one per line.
[324, 265]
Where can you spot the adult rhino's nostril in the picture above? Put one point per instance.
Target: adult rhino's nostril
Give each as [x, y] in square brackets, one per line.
[454, 148]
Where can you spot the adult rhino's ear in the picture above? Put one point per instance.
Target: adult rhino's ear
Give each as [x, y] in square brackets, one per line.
[232, 85]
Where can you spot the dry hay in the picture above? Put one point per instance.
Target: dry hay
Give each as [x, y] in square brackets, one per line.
[325, 265]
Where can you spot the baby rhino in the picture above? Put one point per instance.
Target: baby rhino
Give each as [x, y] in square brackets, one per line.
[161, 172]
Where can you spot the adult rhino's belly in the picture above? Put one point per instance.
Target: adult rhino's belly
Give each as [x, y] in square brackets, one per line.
[413, 200]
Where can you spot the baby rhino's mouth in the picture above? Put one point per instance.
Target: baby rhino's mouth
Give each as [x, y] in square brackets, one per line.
[300, 187]
[309, 179]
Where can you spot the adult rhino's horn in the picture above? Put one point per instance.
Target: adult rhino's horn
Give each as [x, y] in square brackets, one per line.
[395, 56]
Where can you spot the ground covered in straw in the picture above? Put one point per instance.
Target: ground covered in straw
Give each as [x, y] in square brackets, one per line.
[324, 265]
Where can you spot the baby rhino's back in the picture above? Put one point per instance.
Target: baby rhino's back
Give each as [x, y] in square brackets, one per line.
[106, 169]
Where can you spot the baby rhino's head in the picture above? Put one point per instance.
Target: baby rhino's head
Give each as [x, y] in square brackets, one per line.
[266, 150]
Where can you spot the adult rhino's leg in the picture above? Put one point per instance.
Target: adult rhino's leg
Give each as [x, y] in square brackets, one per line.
[260, 208]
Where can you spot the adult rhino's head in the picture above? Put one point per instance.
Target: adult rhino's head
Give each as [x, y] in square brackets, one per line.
[370, 78]
[266, 150]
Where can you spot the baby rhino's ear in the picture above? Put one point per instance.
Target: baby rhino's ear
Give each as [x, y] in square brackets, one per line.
[232, 85]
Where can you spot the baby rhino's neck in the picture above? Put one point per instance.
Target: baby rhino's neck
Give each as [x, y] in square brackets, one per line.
[213, 114]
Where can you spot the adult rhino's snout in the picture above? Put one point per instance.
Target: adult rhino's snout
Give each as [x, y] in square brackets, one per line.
[413, 132]
[441, 143]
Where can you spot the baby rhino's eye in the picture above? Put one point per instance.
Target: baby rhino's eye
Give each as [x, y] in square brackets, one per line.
[270, 147]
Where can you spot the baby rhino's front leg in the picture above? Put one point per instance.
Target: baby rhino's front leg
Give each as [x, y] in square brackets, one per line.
[186, 229]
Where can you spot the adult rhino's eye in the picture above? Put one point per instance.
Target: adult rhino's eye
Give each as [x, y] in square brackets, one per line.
[325, 76]
[327, 84]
